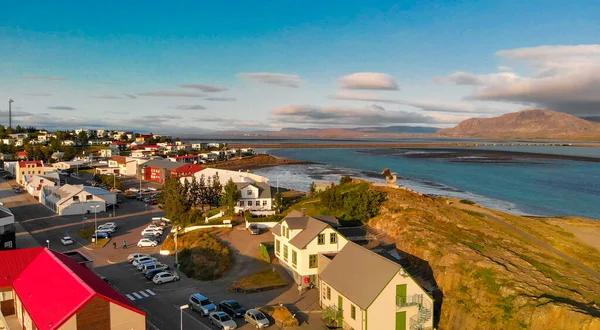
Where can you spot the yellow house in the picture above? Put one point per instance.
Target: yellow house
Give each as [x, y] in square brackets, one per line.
[360, 289]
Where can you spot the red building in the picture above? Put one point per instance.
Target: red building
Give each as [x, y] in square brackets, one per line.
[45, 289]
[158, 169]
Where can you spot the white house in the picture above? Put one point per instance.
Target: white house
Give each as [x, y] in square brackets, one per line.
[298, 241]
[76, 199]
[110, 151]
[225, 175]
[73, 164]
[362, 290]
[35, 183]
[255, 197]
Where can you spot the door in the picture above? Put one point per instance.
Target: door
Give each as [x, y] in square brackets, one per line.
[340, 320]
[401, 321]
[400, 294]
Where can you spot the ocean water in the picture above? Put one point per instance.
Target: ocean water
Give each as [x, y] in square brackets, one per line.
[546, 187]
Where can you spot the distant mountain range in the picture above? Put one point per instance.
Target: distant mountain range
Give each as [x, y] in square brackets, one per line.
[527, 124]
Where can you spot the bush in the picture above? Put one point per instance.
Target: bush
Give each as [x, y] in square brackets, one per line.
[466, 201]
[345, 179]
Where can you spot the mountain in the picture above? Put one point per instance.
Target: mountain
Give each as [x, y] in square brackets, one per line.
[530, 124]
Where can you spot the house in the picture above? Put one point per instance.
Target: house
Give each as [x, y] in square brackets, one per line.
[8, 141]
[126, 165]
[141, 153]
[46, 289]
[199, 146]
[187, 159]
[11, 167]
[22, 155]
[73, 164]
[225, 175]
[31, 168]
[73, 143]
[298, 241]
[8, 240]
[112, 150]
[158, 169]
[119, 145]
[57, 155]
[143, 137]
[35, 183]
[256, 197]
[361, 289]
[76, 199]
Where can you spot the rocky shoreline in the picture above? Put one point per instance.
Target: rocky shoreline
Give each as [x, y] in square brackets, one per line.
[255, 162]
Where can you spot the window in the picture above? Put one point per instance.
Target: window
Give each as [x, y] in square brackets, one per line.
[88, 197]
[321, 239]
[249, 192]
[294, 257]
[353, 312]
[277, 246]
[283, 231]
[328, 293]
[324, 291]
[241, 203]
[75, 198]
[249, 203]
[285, 250]
[257, 203]
[312, 261]
[333, 238]
[264, 203]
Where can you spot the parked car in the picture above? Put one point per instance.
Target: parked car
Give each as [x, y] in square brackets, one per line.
[157, 265]
[145, 242]
[201, 304]
[151, 189]
[67, 240]
[101, 235]
[222, 320]
[17, 190]
[165, 277]
[153, 226]
[109, 230]
[111, 205]
[153, 202]
[257, 318]
[232, 307]
[151, 273]
[253, 229]
[133, 256]
[155, 232]
[152, 237]
[110, 224]
[106, 226]
[141, 266]
[137, 261]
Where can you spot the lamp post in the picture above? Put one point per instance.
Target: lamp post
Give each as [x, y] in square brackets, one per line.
[95, 207]
[176, 255]
[10, 101]
[48, 242]
[181, 308]
[114, 187]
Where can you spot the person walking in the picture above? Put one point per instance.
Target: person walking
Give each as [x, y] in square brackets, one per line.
[124, 244]
[114, 245]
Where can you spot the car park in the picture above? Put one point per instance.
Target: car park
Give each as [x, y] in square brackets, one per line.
[145, 242]
[67, 240]
[139, 260]
[165, 277]
[152, 237]
[257, 318]
[232, 307]
[253, 229]
[201, 304]
[133, 256]
[222, 320]
[156, 265]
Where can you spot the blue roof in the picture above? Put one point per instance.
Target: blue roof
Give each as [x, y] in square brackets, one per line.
[96, 191]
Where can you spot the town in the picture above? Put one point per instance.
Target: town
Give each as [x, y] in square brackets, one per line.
[149, 233]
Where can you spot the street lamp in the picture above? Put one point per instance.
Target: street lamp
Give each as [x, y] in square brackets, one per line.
[141, 175]
[10, 101]
[181, 308]
[48, 242]
[176, 251]
[95, 207]
[116, 197]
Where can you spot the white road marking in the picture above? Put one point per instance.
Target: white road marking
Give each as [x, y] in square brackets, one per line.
[150, 292]
[144, 294]
[137, 295]
[130, 297]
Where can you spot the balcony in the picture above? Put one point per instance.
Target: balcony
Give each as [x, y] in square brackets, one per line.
[412, 300]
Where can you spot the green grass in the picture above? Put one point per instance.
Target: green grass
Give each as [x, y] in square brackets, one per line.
[475, 214]
[488, 277]
[87, 232]
[267, 279]
[474, 246]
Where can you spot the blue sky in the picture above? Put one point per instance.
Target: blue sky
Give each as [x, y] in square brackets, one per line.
[273, 64]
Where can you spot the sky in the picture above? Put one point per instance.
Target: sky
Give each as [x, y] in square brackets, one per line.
[199, 66]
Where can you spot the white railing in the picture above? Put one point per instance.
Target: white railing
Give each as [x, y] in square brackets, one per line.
[216, 216]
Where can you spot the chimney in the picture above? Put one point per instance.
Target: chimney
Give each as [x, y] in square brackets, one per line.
[303, 211]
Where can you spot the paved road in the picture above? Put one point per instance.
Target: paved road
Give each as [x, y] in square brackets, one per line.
[160, 302]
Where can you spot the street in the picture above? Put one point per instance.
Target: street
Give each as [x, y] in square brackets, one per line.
[160, 302]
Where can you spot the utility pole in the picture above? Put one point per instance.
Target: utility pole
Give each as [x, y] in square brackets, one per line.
[10, 101]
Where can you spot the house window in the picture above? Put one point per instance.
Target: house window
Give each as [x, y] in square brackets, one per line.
[75, 198]
[249, 203]
[249, 193]
[241, 203]
[88, 197]
[328, 293]
[333, 238]
[321, 239]
[257, 203]
[324, 291]
[283, 231]
[287, 233]
[312, 261]
[353, 312]
[294, 257]
[285, 250]
[277, 246]
[264, 203]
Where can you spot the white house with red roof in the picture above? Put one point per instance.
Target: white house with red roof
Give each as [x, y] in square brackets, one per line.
[45, 289]
[31, 167]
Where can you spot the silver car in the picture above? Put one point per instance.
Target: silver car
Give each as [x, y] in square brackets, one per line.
[256, 318]
[222, 320]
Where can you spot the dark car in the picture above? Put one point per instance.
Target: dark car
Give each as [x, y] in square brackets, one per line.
[253, 229]
[150, 274]
[110, 206]
[232, 307]
[101, 235]
[152, 237]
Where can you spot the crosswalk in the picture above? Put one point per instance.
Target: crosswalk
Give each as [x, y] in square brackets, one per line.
[140, 294]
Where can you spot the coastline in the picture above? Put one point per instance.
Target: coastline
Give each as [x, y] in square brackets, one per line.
[405, 145]
[255, 162]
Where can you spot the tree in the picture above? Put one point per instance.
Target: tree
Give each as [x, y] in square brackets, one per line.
[345, 179]
[214, 191]
[231, 196]
[174, 202]
[123, 137]
[202, 191]
[186, 191]
[278, 202]
[313, 188]
[194, 192]
[181, 152]
[83, 137]
[331, 198]
[363, 203]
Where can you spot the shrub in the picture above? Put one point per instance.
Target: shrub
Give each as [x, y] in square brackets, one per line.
[345, 179]
[466, 201]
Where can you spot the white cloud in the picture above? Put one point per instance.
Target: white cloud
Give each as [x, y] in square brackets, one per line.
[221, 99]
[205, 87]
[115, 97]
[45, 78]
[346, 116]
[37, 94]
[61, 107]
[567, 79]
[503, 68]
[173, 94]
[190, 107]
[278, 79]
[368, 80]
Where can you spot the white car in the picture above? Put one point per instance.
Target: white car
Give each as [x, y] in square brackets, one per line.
[141, 266]
[155, 227]
[155, 232]
[109, 230]
[133, 256]
[256, 318]
[138, 261]
[222, 320]
[109, 224]
[67, 240]
[145, 242]
[164, 277]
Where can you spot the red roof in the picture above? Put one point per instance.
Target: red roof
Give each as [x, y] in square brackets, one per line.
[53, 287]
[12, 264]
[188, 168]
[31, 162]
[22, 153]
[119, 143]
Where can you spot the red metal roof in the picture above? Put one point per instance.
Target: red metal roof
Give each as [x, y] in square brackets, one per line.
[53, 287]
[188, 168]
[13, 262]
[119, 143]
[22, 153]
[31, 162]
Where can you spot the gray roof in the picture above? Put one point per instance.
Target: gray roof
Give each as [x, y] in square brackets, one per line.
[312, 228]
[264, 190]
[276, 229]
[373, 274]
[161, 163]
